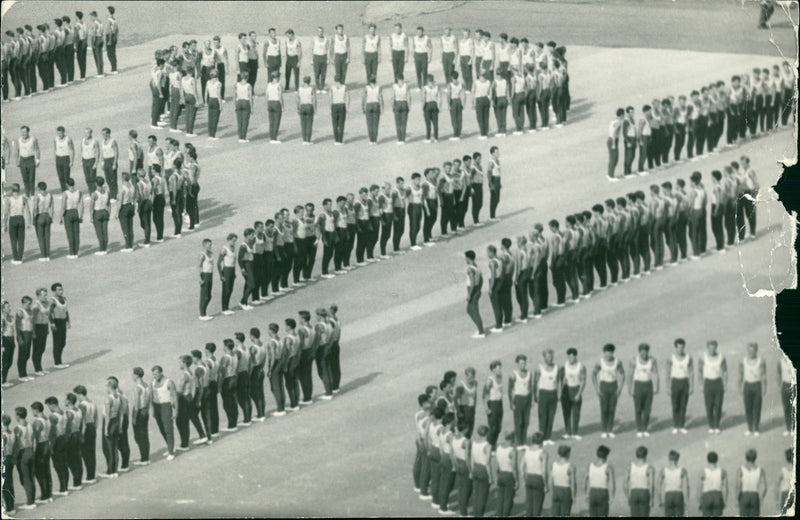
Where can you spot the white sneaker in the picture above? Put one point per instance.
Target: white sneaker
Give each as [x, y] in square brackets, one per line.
[604, 435]
[684, 431]
[341, 271]
[577, 437]
[246, 307]
[326, 397]
[747, 433]
[646, 434]
[227, 313]
[416, 248]
[170, 457]
[756, 434]
[711, 431]
[328, 276]
[495, 330]
[191, 135]
[230, 430]
[206, 318]
[278, 414]
[674, 431]
[639, 435]
[786, 433]
[478, 335]
[181, 448]
[611, 435]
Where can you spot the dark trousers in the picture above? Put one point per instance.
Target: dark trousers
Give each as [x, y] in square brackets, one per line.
[400, 110]
[74, 460]
[752, 405]
[291, 382]
[749, 504]
[229, 275]
[59, 338]
[141, 434]
[25, 468]
[100, 220]
[340, 66]
[371, 64]
[729, 217]
[16, 231]
[571, 408]
[398, 62]
[495, 296]
[456, 116]
[292, 66]
[110, 446]
[334, 359]
[713, 394]
[159, 203]
[562, 501]
[639, 502]
[373, 113]
[182, 419]
[673, 504]
[41, 469]
[421, 68]
[163, 415]
[613, 156]
[213, 116]
[717, 229]
[146, 217]
[430, 220]
[644, 146]
[275, 112]
[306, 120]
[680, 138]
[505, 299]
[500, 113]
[60, 464]
[480, 490]
[27, 170]
[40, 333]
[522, 418]
[414, 219]
[243, 395]
[89, 450]
[696, 225]
[338, 117]
[749, 212]
[521, 291]
[81, 48]
[320, 65]
[679, 393]
[126, 223]
[505, 493]
[111, 50]
[430, 112]
[534, 495]
[473, 310]
[531, 107]
[539, 288]
[206, 281]
[276, 385]
[495, 420]
[324, 369]
[642, 404]
[788, 396]
[559, 279]
[712, 503]
[386, 231]
[464, 487]
[242, 117]
[63, 171]
[213, 407]
[482, 106]
[494, 201]
[43, 223]
[608, 405]
[548, 404]
[97, 53]
[252, 72]
[257, 390]
[229, 404]
[477, 201]
[177, 206]
[399, 225]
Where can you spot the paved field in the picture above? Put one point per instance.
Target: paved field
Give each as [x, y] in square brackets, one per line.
[404, 318]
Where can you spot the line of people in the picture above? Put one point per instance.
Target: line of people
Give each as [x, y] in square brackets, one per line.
[67, 437]
[25, 332]
[24, 52]
[182, 82]
[278, 255]
[614, 242]
[450, 457]
[170, 182]
[761, 106]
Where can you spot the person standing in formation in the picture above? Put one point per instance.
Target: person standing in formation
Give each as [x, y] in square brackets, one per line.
[712, 371]
[258, 355]
[294, 55]
[272, 53]
[306, 107]
[786, 482]
[401, 104]
[673, 487]
[421, 420]
[125, 212]
[274, 106]
[340, 53]
[27, 155]
[456, 95]
[430, 108]
[563, 482]
[507, 464]
[140, 416]
[639, 485]
[59, 323]
[206, 267]
[276, 361]
[751, 485]
[500, 93]
[474, 287]
[65, 156]
[371, 50]
[608, 378]
[546, 387]
[520, 390]
[643, 386]
[481, 102]
[41, 329]
[372, 106]
[243, 100]
[339, 102]
[493, 402]
[535, 469]
[43, 434]
[16, 212]
[165, 407]
[787, 382]
[680, 382]
[573, 382]
[753, 386]
[466, 58]
[320, 46]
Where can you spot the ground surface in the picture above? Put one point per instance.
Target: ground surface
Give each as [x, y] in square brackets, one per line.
[404, 318]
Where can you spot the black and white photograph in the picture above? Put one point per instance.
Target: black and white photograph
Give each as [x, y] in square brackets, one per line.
[519, 258]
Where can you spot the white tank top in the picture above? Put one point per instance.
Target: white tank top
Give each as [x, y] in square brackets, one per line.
[152, 156]
[672, 479]
[273, 91]
[713, 479]
[108, 150]
[751, 370]
[161, 393]
[338, 94]
[560, 472]
[466, 47]
[522, 384]
[680, 367]
[500, 87]
[72, 199]
[304, 93]
[608, 371]
[502, 53]
[712, 366]
[643, 371]
[26, 147]
[87, 148]
[243, 91]
[320, 46]
[495, 390]
[373, 93]
[458, 449]
[400, 92]
[431, 94]
[597, 476]
[449, 44]
[433, 435]
[214, 89]
[750, 479]
[788, 374]
[533, 461]
[639, 476]
[488, 52]
[455, 90]
[62, 147]
[371, 43]
[101, 200]
[503, 457]
[292, 47]
[398, 41]
[26, 323]
[519, 84]
[421, 44]
[478, 454]
[547, 378]
[273, 48]
[340, 44]
[482, 88]
[16, 206]
[572, 374]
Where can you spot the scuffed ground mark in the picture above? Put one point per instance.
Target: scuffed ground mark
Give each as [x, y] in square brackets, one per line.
[382, 11]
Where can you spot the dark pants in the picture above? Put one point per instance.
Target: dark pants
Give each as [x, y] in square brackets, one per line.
[63, 171]
[97, 53]
[712, 503]
[608, 405]
[495, 420]
[373, 112]
[242, 117]
[562, 501]
[679, 392]
[680, 138]
[522, 418]
[505, 493]
[275, 112]
[206, 281]
[228, 392]
[642, 403]
[749, 504]
[534, 495]
[60, 464]
[456, 116]
[89, 449]
[500, 113]
[292, 66]
[399, 225]
[126, 223]
[110, 446]
[717, 216]
[477, 201]
[421, 68]
[81, 48]
[320, 64]
[163, 415]
[27, 170]
[548, 404]
[252, 71]
[749, 212]
[40, 333]
[141, 434]
[59, 339]
[183, 418]
[334, 359]
[398, 62]
[713, 393]
[639, 502]
[338, 117]
[159, 203]
[16, 231]
[464, 487]
[673, 504]
[414, 219]
[447, 477]
[243, 395]
[229, 274]
[41, 469]
[25, 468]
[430, 112]
[74, 460]
[400, 110]
[306, 120]
[257, 390]
[496, 297]
[482, 106]
[788, 397]
[111, 50]
[213, 407]
[494, 201]
[473, 310]
[571, 408]
[752, 405]
[531, 107]
[340, 66]
[480, 489]
[276, 385]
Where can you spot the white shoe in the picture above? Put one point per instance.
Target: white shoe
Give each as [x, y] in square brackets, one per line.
[517, 132]
[181, 448]
[126, 250]
[248, 423]
[341, 271]
[326, 397]
[123, 470]
[612, 179]
[174, 131]
[429, 244]
[747, 433]
[711, 431]
[197, 442]
[604, 435]
[646, 434]
[62, 365]
[274, 141]
[684, 431]
[328, 276]
[611, 435]
[259, 419]
[28, 507]
[478, 335]
[191, 135]
[227, 313]
[246, 307]
[639, 435]
[576, 437]
[495, 330]
[170, 457]
[206, 318]
[230, 430]
[75, 488]
[141, 463]
[756, 434]
[416, 248]
[361, 264]
[520, 321]
[7, 385]
[278, 414]
[786, 433]
[674, 431]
